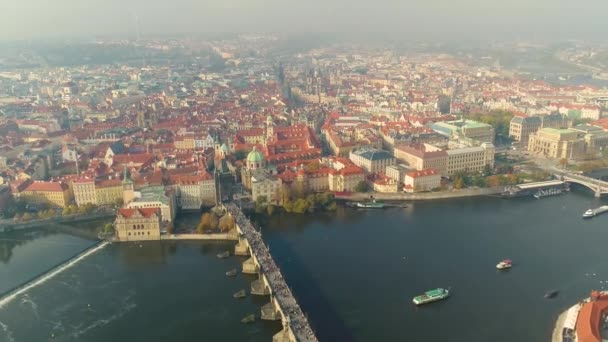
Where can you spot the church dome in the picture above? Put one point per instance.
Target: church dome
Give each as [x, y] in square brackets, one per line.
[255, 156]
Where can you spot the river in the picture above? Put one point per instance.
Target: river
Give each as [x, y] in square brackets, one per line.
[353, 271]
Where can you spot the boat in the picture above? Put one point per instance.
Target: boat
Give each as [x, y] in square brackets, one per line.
[504, 264]
[548, 192]
[223, 255]
[594, 212]
[239, 294]
[589, 213]
[367, 205]
[551, 294]
[231, 273]
[248, 319]
[431, 296]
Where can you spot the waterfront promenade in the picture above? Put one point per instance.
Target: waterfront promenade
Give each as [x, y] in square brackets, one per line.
[295, 323]
[401, 196]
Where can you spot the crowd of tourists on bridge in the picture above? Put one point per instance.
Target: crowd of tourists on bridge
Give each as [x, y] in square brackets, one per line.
[296, 319]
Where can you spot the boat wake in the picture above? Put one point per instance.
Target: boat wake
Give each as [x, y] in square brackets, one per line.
[27, 300]
[105, 321]
[7, 332]
[42, 279]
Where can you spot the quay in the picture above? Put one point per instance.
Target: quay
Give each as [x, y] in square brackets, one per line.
[529, 188]
[283, 305]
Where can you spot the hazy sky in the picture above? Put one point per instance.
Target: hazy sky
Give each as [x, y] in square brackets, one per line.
[408, 18]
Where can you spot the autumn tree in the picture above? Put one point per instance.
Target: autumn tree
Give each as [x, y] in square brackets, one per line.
[270, 209]
[362, 187]
[459, 183]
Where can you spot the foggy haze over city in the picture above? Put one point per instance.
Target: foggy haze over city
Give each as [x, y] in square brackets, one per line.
[407, 19]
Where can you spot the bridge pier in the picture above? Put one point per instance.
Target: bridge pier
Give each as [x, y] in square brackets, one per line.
[258, 287]
[269, 312]
[282, 336]
[241, 248]
[598, 192]
[250, 267]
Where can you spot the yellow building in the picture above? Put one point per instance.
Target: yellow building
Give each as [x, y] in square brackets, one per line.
[108, 191]
[424, 156]
[184, 142]
[84, 191]
[557, 143]
[137, 224]
[104, 192]
[53, 193]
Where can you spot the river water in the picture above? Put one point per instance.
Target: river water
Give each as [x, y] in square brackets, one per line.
[353, 272]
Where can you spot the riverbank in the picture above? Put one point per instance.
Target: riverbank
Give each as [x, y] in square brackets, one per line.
[9, 225]
[401, 196]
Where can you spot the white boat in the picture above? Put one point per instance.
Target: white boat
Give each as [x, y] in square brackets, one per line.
[594, 212]
[548, 192]
[589, 213]
[504, 264]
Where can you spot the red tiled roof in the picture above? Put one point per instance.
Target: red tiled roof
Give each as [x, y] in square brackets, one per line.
[47, 187]
[140, 158]
[145, 212]
[108, 183]
[588, 321]
[423, 173]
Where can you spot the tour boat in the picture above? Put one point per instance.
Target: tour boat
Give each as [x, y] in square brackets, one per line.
[548, 192]
[594, 212]
[589, 213]
[239, 294]
[504, 264]
[366, 205]
[431, 296]
[231, 273]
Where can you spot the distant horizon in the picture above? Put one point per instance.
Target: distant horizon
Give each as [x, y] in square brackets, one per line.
[551, 20]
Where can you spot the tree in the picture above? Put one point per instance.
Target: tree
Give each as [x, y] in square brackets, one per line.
[204, 224]
[108, 228]
[362, 187]
[226, 223]
[26, 217]
[300, 206]
[285, 193]
[487, 170]
[261, 199]
[458, 183]
[493, 181]
[563, 163]
[240, 154]
[119, 202]
[270, 209]
[288, 206]
[67, 211]
[170, 228]
[214, 221]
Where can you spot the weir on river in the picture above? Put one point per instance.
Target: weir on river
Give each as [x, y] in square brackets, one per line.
[283, 304]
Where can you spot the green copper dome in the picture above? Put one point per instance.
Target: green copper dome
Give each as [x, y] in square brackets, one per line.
[255, 156]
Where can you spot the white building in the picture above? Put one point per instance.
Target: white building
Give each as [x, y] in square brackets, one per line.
[422, 180]
[156, 197]
[193, 191]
